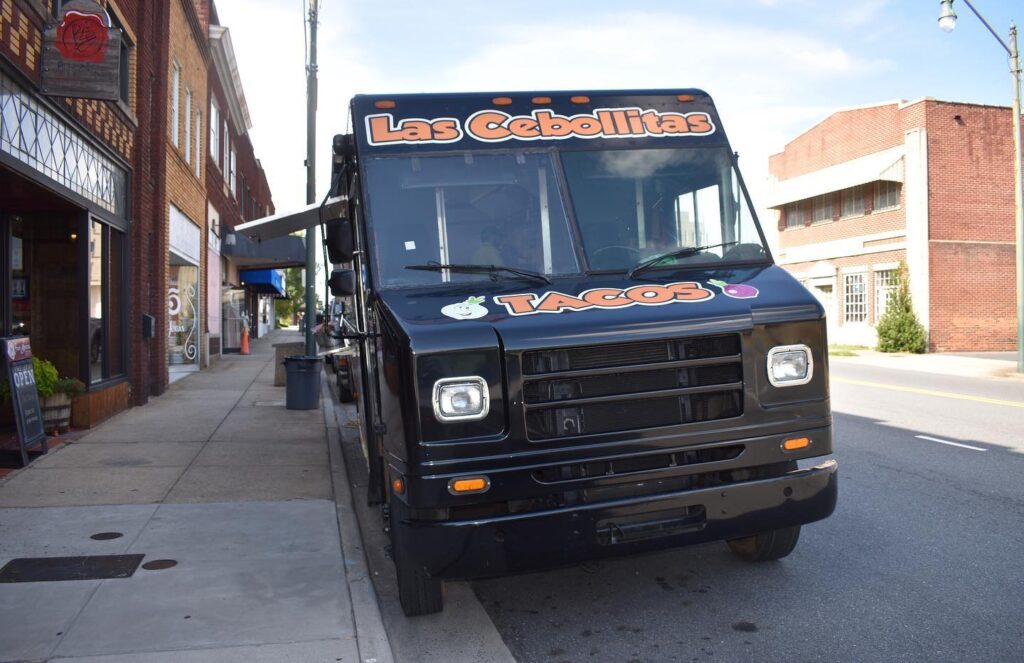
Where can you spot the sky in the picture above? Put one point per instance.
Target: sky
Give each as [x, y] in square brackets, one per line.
[774, 67]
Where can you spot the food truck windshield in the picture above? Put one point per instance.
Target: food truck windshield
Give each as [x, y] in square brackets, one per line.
[556, 213]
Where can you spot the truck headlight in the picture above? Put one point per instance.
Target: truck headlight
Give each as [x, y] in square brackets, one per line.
[461, 399]
[790, 365]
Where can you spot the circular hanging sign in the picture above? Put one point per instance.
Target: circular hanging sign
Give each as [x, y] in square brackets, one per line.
[82, 37]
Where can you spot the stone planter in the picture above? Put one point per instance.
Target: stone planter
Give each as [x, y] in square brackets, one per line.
[56, 412]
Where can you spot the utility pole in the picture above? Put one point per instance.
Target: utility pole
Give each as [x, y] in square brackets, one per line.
[311, 237]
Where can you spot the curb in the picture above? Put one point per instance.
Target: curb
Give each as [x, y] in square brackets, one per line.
[371, 637]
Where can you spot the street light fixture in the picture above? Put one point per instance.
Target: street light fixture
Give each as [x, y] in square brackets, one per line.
[947, 21]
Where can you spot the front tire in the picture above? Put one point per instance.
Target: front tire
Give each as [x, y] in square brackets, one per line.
[775, 544]
[418, 593]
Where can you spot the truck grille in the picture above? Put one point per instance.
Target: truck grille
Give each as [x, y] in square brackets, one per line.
[612, 388]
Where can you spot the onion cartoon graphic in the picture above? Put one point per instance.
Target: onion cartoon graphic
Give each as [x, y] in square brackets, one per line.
[467, 310]
[736, 290]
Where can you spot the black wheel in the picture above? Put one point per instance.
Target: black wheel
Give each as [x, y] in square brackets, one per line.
[775, 544]
[418, 593]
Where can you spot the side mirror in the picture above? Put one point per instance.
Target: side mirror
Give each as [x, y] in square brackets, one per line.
[339, 240]
[342, 282]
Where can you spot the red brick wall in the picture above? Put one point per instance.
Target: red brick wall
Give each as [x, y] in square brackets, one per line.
[840, 137]
[971, 227]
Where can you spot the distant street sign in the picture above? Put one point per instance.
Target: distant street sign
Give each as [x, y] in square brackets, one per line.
[22, 379]
[82, 54]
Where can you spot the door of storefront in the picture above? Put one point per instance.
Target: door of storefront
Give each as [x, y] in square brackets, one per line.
[234, 318]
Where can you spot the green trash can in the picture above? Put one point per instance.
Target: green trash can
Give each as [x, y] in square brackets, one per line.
[302, 382]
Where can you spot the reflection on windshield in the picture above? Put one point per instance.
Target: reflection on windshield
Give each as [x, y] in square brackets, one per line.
[501, 210]
[506, 210]
[632, 205]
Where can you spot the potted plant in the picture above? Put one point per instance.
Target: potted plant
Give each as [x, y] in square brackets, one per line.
[55, 394]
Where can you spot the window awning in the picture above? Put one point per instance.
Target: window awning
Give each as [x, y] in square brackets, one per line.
[886, 165]
[263, 281]
[280, 252]
[280, 225]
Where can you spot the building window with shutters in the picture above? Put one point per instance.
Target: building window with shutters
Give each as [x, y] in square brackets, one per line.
[215, 133]
[795, 216]
[853, 201]
[821, 208]
[885, 285]
[175, 102]
[188, 125]
[199, 142]
[855, 304]
[887, 195]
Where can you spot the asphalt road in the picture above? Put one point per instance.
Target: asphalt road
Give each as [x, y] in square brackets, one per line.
[923, 559]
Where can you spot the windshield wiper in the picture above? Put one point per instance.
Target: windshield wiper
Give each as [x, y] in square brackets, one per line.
[493, 270]
[684, 252]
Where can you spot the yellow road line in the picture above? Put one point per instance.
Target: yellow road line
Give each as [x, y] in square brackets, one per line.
[931, 392]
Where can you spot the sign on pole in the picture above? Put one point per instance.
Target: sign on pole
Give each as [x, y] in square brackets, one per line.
[82, 54]
[22, 379]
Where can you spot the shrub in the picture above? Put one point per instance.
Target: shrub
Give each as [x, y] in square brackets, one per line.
[48, 381]
[899, 330]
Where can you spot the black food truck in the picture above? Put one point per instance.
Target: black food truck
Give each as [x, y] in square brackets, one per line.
[572, 340]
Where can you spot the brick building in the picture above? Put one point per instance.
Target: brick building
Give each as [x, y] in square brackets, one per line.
[926, 182]
[103, 204]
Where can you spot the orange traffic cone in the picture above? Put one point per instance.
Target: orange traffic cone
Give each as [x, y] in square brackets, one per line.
[245, 340]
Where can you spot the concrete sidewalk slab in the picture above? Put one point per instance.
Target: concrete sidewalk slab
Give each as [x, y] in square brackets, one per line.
[252, 483]
[940, 363]
[63, 532]
[37, 615]
[214, 604]
[87, 486]
[132, 454]
[321, 651]
[294, 452]
[233, 530]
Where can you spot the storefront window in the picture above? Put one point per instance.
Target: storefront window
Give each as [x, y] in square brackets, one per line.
[96, 252]
[182, 312]
[115, 312]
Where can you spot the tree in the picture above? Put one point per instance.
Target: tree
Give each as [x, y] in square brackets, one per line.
[899, 330]
[285, 309]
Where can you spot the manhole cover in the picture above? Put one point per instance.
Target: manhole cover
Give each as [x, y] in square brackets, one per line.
[52, 569]
[159, 564]
[106, 536]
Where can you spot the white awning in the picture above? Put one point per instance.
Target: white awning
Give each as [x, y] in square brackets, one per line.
[280, 225]
[886, 165]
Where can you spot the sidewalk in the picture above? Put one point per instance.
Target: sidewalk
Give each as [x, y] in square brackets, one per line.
[972, 365]
[219, 477]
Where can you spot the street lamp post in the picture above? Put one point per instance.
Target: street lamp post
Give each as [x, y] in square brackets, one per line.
[947, 21]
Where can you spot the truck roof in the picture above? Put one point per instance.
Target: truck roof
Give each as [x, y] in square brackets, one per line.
[579, 119]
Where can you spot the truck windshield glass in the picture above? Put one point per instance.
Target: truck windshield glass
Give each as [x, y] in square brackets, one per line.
[471, 209]
[632, 205]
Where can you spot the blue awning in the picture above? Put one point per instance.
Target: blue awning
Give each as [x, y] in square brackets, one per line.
[263, 281]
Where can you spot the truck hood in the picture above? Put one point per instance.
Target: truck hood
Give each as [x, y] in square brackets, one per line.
[522, 314]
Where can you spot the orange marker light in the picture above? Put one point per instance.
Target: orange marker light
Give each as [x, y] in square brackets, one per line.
[398, 485]
[383, 104]
[541, 100]
[502, 101]
[580, 100]
[685, 97]
[468, 485]
[796, 443]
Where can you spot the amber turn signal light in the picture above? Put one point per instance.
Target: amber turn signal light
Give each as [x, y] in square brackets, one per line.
[793, 444]
[398, 485]
[466, 485]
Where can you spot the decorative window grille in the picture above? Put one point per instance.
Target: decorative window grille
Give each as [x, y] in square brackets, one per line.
[855, 304]
[885, 285]
[35, 135]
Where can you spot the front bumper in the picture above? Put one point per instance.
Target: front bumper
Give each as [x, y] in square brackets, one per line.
[504, 544]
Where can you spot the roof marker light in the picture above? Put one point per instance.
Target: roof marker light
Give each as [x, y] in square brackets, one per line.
[502, 101]
[580, 99]
[685, 97]
[541, 100]
[384, 104]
